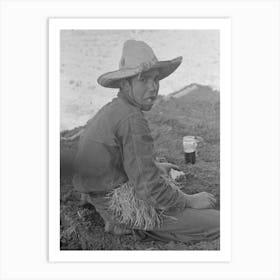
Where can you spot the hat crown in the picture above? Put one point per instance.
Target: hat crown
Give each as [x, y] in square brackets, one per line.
[137, 54]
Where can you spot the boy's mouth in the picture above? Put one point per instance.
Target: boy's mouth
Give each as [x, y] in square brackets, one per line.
[151, 99]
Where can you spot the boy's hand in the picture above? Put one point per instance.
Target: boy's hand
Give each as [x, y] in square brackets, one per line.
[202, 200]
[165, 167]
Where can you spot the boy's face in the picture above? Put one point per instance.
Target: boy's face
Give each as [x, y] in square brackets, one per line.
[145, 88]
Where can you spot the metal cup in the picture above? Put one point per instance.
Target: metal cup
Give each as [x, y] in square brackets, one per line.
[189, 145]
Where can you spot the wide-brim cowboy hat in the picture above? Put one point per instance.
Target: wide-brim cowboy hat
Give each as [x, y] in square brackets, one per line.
[138, 57]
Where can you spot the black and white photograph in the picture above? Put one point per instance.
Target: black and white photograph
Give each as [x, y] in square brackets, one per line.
[139, 155]
[143, 172]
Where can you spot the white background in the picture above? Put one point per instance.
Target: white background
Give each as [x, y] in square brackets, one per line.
[255, 140]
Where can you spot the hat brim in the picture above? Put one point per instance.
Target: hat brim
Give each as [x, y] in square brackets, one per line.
[112, 79]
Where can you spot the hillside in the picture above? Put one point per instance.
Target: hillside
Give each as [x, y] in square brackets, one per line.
[194, 110]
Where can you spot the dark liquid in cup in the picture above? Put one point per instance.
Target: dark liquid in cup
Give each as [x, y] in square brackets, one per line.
[190, 157]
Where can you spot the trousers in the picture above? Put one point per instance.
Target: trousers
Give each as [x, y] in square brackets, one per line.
[183, 226]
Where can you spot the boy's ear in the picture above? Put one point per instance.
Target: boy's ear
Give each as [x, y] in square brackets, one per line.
[124, 84]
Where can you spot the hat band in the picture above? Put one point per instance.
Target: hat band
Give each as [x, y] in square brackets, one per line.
[145, 66]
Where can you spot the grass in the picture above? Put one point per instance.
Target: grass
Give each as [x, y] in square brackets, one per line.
[196, 113]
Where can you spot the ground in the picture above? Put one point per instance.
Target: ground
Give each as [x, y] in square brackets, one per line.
[195, 112]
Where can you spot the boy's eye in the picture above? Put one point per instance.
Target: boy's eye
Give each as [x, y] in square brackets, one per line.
[142, 79]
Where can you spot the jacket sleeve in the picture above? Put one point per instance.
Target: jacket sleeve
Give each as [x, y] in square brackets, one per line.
[138, 159]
